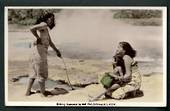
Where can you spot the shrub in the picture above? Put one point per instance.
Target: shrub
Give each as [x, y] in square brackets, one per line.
[137, 14]
[27, 16]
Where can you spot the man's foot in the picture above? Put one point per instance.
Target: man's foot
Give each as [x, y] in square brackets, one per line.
[46, 93]
[29, 93]
[37, 91]
[43, 95]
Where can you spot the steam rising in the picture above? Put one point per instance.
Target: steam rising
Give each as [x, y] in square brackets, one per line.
[98, 30]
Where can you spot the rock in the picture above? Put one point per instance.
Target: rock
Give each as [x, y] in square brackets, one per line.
[84, 85]
[57, 91]
[72, 68]
[81, 60]
[47, 93]
[147, 75]
[15, 79]
[26, 75]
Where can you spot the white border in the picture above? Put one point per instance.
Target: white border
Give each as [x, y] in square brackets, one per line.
[129, 104]
[165, 55]
[85, 7]
[89, 104]
[6, 56]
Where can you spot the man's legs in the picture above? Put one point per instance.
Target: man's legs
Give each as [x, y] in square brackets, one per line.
[30, 83]
[31, 79]
[42, 86]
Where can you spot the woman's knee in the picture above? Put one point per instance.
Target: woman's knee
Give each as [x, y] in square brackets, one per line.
[118, 94]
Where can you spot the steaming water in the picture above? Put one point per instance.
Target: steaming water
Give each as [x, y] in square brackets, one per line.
[94, 34]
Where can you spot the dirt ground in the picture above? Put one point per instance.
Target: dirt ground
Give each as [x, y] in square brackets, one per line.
[151, 84]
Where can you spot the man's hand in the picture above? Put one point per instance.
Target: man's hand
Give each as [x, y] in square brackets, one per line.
[39, 41]
[58, 53]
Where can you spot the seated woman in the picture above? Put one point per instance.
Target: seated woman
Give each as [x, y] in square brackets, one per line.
[131, 79]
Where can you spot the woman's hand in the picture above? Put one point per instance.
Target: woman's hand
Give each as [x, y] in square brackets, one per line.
[121, 78]
[116, 77]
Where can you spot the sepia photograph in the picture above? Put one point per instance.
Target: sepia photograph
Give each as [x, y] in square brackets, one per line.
[86, 56]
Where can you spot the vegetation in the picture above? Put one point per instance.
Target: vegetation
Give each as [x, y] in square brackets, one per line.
[27, 16]
[138, 14]
[137, 17]
[140, 17]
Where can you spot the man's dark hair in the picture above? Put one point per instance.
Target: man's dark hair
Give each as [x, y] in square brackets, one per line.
[44, 18]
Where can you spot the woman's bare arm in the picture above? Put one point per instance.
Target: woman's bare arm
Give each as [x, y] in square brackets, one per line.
[38, 27]
[54, 47]
[128, 61]
[120, 71]
[52, 44]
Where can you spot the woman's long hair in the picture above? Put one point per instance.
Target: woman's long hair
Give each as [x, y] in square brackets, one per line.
[128, 49]
[44, 18]
[119, 57]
